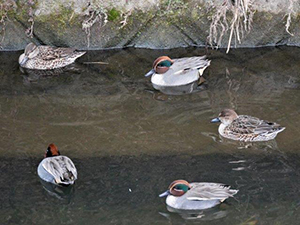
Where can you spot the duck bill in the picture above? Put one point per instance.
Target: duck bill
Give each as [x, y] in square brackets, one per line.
[166, 193]
[150, 73]
[215, 120]
[24, 60]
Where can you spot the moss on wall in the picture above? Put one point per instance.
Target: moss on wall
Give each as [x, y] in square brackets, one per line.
[173, 23]
[113, 14]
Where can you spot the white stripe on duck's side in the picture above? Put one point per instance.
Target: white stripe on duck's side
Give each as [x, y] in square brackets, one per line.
[246, 128]
[57, 169]
[177, 72]
[196, 196]
[46, 57]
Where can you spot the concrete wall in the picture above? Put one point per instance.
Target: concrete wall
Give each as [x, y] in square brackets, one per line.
[149, 23]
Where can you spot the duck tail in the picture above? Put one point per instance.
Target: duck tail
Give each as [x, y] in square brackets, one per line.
[279, 129]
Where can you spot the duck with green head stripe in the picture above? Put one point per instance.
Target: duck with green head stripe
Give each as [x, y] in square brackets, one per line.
[196, 196]
[168, 72]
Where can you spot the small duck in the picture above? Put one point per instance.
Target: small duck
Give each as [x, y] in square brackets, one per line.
[196, 196]
[46, 57]
[168, 72]
[56, 168]
[245, 128]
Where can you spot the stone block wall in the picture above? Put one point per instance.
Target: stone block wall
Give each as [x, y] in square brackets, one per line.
[104, 24]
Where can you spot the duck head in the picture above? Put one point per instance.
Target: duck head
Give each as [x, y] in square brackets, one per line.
[160, 65]
[226, 117]
[30, 52]
[51, 151]
[177, 188]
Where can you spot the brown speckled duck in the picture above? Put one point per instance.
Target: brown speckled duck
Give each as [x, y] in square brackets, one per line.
[46, 57]
[246, 128]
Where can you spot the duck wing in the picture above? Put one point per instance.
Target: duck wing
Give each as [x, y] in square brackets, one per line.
[61, 168]
[251, 125]
[209, 191]
[51, 53]
[184, 65]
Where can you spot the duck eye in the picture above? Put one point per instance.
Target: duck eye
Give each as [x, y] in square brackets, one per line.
[48, 149]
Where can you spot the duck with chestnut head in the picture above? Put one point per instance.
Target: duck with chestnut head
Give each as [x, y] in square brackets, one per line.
[167, 72]
[44, 57]
[196, 196]
[245, 128]
[56, 168]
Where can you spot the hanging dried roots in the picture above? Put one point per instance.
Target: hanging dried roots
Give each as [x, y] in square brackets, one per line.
[241, 14]
[29, 30]
[94, 14]
[291, 12]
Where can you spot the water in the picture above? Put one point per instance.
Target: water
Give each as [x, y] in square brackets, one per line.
[129, 142]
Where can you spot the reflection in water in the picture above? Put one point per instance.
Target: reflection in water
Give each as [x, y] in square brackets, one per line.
[123, 139]
[31, 75]
[181, 90]
[200, 215]
[60, 192]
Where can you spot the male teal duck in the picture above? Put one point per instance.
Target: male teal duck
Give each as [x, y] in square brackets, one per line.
[46, 57]
[168, 72]
[196, 196]
[56, 168]
[246, 128]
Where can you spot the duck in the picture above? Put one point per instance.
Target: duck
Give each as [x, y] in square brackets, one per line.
[246, 128]
[196, 196]
[57, 169]
[45, 57]
[167, 72]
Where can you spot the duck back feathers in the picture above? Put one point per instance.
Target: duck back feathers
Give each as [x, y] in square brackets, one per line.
[58, 169]
[46, 57]
[248, 128]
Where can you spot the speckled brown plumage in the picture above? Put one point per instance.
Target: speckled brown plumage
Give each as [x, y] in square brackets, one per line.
[47, 57]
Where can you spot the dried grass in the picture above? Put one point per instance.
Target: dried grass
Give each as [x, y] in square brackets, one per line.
[4, 8]
[94, 13]
[291, 12]
[241, 14]
[29, 30]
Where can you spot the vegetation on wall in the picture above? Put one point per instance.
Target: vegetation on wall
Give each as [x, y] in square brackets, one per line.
[5, 7]
[9, 9]
[93, 14]
[232, 19]
[291, 12]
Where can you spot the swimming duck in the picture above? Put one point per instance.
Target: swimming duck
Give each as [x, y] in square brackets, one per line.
[196, 196]
[168, 72]
[46, 57]
[56, 168]
[245, 128]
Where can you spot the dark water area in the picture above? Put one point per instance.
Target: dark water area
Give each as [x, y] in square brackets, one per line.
[130, 142]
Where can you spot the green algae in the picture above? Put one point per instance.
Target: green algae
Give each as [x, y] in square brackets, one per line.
[113, 14]
[64, 18]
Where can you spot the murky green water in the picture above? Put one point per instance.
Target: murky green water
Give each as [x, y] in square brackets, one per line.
[129, 142]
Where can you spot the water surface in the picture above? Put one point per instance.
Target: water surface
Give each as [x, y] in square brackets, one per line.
[129, 142]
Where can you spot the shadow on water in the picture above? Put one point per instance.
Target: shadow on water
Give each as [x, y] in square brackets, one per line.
[124, 189]
[128, 142]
